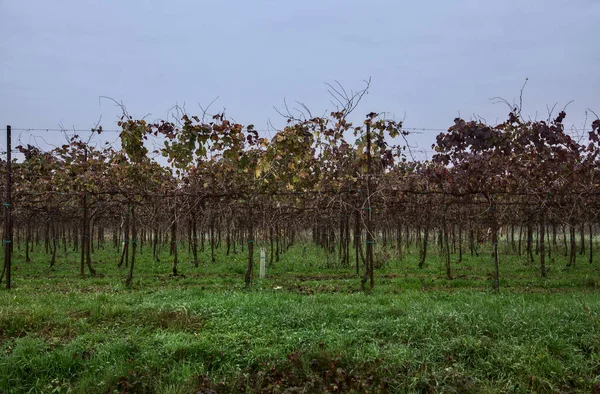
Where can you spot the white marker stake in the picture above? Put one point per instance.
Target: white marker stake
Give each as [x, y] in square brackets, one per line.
[263, 260]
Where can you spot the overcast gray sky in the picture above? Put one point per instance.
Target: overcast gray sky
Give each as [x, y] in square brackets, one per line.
[429, 60]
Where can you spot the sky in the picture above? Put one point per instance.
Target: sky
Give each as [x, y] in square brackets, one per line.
[429, 61]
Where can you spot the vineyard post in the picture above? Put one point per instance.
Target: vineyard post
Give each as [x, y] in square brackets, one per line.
[263, 260]
[250, 241]
[494, 216]
[542, 243]
[84, 221]
[368, 275]
[370, 240]
[8, 231]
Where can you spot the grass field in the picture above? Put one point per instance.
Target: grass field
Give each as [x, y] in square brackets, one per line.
[306, 328]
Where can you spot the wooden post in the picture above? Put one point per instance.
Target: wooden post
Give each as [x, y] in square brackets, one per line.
[495, 246]
[542, 243]
[369, 225]
[250, 268]
[8, 230]
[129, 278]
[83, 225]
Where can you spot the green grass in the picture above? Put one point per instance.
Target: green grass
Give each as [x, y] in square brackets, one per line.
[306, 328]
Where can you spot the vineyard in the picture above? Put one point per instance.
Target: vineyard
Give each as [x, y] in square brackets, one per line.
[525, 183]
[165, 233]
